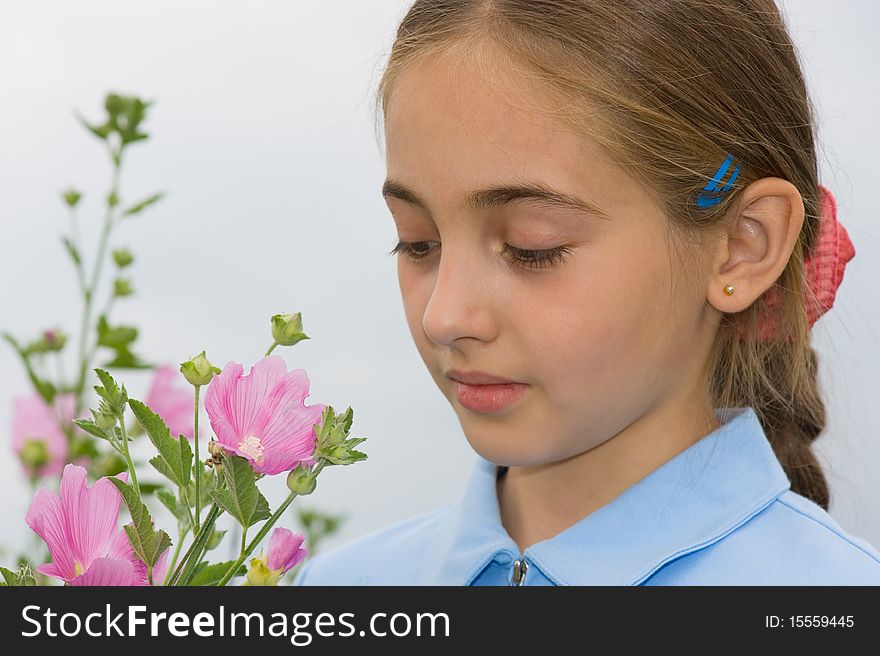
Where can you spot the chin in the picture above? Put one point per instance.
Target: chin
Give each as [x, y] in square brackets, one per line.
[510, 454]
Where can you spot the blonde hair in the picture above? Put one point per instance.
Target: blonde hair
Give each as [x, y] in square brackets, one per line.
[667, 89]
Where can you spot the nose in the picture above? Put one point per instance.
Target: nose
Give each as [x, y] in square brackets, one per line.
[461, 303]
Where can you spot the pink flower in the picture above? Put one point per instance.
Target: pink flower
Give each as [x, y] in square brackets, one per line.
[285, 551]
[37, 437]
[174, 404]
[263, 416]
[79, 526]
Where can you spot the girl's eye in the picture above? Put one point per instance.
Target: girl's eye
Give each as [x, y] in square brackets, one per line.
[414, 250]
[535, 259]
[532, 259]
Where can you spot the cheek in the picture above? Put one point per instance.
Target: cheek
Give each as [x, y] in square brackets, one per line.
[599, 330]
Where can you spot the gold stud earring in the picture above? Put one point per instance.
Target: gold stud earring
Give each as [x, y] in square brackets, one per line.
[728, 290]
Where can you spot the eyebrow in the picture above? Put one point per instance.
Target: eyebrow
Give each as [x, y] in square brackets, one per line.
[535, 193]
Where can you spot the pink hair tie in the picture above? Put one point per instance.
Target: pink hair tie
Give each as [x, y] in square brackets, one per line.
[823, 269]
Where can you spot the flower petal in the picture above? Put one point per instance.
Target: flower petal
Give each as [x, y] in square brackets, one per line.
[290, 439]
[91, 514]
[285, 550]
[120, 546]
[51, 569]
[107, 571]
[238, 398]
[46, 518]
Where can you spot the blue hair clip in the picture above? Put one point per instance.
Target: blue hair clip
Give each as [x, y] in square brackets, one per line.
[709, 196]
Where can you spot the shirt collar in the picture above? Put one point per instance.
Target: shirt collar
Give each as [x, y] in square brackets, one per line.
[690, 501]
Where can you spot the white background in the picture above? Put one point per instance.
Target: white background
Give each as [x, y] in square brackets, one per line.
[262, 136]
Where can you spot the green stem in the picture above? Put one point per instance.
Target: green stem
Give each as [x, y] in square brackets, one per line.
[198, 462]
[89, 292]
[106, 312]
[188, 556]
[131, 470]
[180, 537]
[271, 348]
[263, 531]
[202, 546]
[184, 498]
[75, 239]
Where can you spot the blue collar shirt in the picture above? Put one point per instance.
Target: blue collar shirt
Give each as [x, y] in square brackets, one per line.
[721, 512]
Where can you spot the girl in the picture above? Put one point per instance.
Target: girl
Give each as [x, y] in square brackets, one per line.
[613, 244]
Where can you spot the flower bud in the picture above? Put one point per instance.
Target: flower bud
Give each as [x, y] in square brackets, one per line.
[105, 421]
[285, 552]
[122, 287]
[198, 371]
[122, 257]
[287, 329]
[54, 340]
[71, 197]
[104, 416]
[34, 454]
[301, 480]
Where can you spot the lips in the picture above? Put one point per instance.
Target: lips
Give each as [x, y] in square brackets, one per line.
[484, 392]
[489, 398]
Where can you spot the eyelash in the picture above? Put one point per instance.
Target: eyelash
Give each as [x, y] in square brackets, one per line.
[530, 259]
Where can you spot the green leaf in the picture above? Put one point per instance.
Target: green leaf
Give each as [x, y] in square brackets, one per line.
[11, 577]
[344, 420]
[215, 539]
[111, 392]
[175, 455]
[211, 574]
[170, 502]
[147, 542]
[241, 498]
[74, 254]
[24, 576]
[100, 131]
[139, 207]
[115, 337]
[43, 387]
[90, 427]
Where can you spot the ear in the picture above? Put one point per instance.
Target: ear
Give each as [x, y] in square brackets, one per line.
[758, 244]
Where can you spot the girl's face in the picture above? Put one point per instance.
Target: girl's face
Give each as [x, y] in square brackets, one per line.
[595, 333]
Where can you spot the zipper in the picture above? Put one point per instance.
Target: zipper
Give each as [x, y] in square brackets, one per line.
[520, 567]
